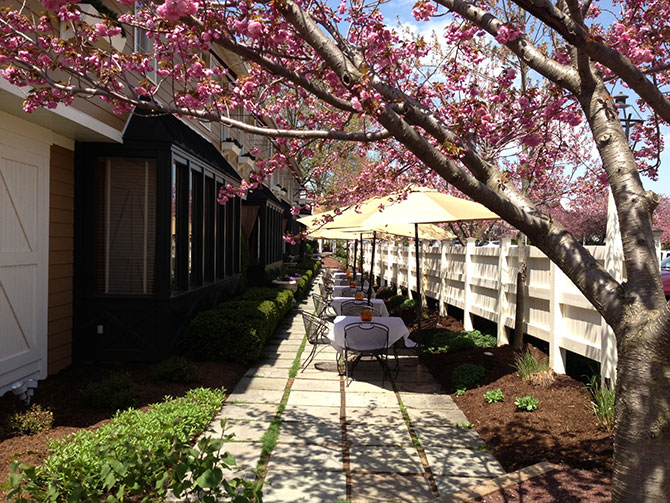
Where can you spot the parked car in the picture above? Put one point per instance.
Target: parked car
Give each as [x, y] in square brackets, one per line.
[490, 243]
[665, 264]
[665, 276]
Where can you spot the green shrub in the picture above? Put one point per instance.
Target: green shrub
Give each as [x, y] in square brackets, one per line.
[214, 336]
[143, 454]
[602, 403]
[447, 341]
[394, 302]
[466, 375]
[461, 391]
[114, 392]
[32, 421]
[176, 369]
[384, 292]
[527, 365]
[408, 304]
[526, 403]
[494, 395]
[236, 330]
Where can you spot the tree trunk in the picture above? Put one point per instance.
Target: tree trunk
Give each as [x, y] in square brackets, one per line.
[642, 427]
[521, 279]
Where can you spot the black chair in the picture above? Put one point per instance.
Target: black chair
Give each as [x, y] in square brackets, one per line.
[366, 338]
[322, 307]
[348, 292]
[316, 330]
[353, 307]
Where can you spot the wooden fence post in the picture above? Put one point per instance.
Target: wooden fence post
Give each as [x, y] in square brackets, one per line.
[503, 278]
[467, 317]
[556, 353]
[442, 297]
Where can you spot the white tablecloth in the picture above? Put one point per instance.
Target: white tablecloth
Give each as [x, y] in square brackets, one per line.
[397, 330]
[378, 306]
[343, 275]
[337, 291]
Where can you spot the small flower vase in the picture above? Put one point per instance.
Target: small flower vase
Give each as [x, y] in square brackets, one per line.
[352, 284]
[366, 314]
[359, 295]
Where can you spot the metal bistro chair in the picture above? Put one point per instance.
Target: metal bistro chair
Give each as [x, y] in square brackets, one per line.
[322, 307]
[326, 291]
[316, 330]
[366, 338]
[353, 307]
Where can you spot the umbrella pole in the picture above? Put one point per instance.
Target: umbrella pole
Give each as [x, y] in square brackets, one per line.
[355, 252]
[418, 275]
[346, 266]
[372, 264]
[418, 303]
[361, 266]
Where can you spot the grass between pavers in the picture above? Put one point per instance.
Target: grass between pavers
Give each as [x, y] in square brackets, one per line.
[416, 442]
[271, 436]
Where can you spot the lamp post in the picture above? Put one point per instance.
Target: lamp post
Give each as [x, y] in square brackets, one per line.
[627, 120]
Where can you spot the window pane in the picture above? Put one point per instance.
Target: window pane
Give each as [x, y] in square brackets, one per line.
[220, 237]
[210, 209]
[126, 230]
[196, 228]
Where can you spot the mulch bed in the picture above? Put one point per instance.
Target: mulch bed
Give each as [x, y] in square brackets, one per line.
[562, 430]
[62, 395]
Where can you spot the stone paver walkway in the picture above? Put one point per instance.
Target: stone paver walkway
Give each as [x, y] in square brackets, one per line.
[361, 442]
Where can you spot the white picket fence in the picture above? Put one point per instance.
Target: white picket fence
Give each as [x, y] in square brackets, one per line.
[482, 282]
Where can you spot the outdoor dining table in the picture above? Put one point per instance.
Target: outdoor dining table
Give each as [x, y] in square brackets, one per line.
[397, 330]
[378, 305]
[345, 282]
[338, 289]
[343, 275]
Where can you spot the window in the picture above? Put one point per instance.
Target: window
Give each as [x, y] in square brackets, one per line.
[205, 234]
[126, 230]
[144, 44]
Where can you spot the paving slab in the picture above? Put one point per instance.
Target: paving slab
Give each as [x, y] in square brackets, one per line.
[310, 413]
[319, 398]
[320, 432]
[246, 454]
[388, 434]
[385, 459]
[425, 401]
[389, 488]
[438, 418]
[269, 383]
[290, 457]
[257, 396]
[247, 411]
[381, 400]
[267, 371]
[447, 437]
[448, 485]
[463, 463]
[244, 431]
[278, 363]
[370, 387]
[374, 415]
[280, 354]
[305, 486]
[304, 384]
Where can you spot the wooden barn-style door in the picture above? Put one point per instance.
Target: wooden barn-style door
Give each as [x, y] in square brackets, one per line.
[24, 203]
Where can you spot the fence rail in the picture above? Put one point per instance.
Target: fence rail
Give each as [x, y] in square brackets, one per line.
[482, 282]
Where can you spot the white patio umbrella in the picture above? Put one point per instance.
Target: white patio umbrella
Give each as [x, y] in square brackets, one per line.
[420, 206]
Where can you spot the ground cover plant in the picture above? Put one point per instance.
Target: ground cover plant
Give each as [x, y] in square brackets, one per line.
[445, 341]
[526, 403]
[34, 420]
[138, 453]
[116, 391]
[467, 374]
[494, 395]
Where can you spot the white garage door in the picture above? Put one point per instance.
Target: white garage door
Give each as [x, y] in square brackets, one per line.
[24, 230]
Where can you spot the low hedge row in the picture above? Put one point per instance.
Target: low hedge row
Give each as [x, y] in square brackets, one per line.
[132, 454]
[237, 330]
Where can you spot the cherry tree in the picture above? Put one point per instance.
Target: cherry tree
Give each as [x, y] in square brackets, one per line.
[326, 73]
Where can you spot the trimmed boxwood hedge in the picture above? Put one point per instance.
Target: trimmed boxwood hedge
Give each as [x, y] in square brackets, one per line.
[237, 330]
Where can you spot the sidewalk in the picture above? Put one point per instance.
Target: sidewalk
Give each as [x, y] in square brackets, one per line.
[361, 442]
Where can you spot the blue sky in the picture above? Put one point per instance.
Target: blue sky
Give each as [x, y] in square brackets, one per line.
[402, 10]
